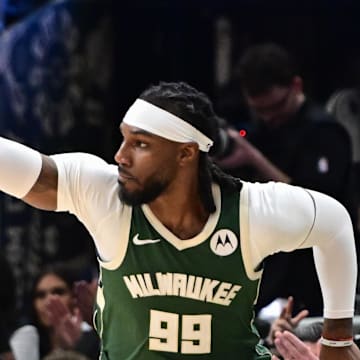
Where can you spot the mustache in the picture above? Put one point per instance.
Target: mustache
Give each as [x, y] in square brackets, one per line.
[124, 172]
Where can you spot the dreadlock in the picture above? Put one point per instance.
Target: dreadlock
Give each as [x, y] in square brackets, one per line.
[194, 107]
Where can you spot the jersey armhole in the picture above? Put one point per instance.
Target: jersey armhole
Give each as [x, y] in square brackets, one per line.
[123, 240]
[253, 271]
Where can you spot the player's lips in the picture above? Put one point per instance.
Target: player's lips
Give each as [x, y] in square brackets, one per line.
[124, 176]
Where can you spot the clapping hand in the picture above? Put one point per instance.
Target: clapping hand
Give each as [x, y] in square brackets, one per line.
[291, 347]
[66, 324]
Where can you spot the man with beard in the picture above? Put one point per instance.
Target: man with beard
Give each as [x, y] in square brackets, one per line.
[180, 243]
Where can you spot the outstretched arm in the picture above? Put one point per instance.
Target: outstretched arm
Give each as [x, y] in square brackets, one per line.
[43, 194]
[28, 175]
[291, 218]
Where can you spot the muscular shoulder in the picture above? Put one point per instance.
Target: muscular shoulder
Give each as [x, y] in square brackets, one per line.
[277, 210]
[274, 195]
[80, 164]
[83, 178]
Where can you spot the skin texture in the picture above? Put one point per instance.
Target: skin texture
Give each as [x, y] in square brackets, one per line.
[144, 158]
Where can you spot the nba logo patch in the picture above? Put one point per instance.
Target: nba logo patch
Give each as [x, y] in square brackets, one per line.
[224, 242]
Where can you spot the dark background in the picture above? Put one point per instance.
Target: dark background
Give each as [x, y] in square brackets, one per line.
[54, 103]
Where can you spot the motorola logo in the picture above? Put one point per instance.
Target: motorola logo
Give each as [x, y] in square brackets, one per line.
[224, 242]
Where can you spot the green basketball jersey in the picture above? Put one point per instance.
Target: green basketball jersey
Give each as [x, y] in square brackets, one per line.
[195, 302]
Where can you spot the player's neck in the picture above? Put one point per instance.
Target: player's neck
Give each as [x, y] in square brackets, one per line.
[181, 211]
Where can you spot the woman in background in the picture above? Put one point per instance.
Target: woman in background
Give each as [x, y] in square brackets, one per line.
[55, 320]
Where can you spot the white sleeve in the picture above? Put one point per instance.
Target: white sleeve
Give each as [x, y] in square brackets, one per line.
[88, 188]
[20, 168]
[79, 175]
[281, 217]
[335, 256]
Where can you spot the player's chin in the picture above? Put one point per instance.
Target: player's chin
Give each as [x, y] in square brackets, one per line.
[129, 187]
[130, 197]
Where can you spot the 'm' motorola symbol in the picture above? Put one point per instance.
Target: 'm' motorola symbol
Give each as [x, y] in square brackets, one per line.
[224, 242]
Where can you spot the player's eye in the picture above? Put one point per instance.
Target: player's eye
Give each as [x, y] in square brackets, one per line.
[141, 144]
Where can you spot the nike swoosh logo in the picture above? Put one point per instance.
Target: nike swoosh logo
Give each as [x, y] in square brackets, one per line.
[138, 241]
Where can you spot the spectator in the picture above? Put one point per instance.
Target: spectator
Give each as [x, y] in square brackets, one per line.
[291, 347]
[286, 321]
[294, 141]
[85, 294]
[56, 321]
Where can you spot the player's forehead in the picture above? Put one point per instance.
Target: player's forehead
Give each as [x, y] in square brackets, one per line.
[128, 131]
[133, 130]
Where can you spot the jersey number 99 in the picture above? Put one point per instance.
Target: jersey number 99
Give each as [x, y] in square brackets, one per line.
[195, 333]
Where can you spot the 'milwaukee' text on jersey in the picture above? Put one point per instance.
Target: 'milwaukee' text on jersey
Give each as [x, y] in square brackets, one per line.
[183, 285]
[188, 322]
[179, 299]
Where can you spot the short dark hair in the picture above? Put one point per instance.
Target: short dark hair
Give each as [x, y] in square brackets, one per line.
[194, 107]
[263, 66]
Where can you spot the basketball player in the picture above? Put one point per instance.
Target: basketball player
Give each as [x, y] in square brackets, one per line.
[180, 243]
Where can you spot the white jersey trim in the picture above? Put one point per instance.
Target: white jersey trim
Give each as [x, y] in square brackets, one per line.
[205, 233]
[245, 235]
[123, 241]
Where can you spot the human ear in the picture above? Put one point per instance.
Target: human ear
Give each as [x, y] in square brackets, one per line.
[188, 153]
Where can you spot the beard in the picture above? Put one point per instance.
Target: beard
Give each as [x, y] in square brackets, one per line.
[151, 191]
